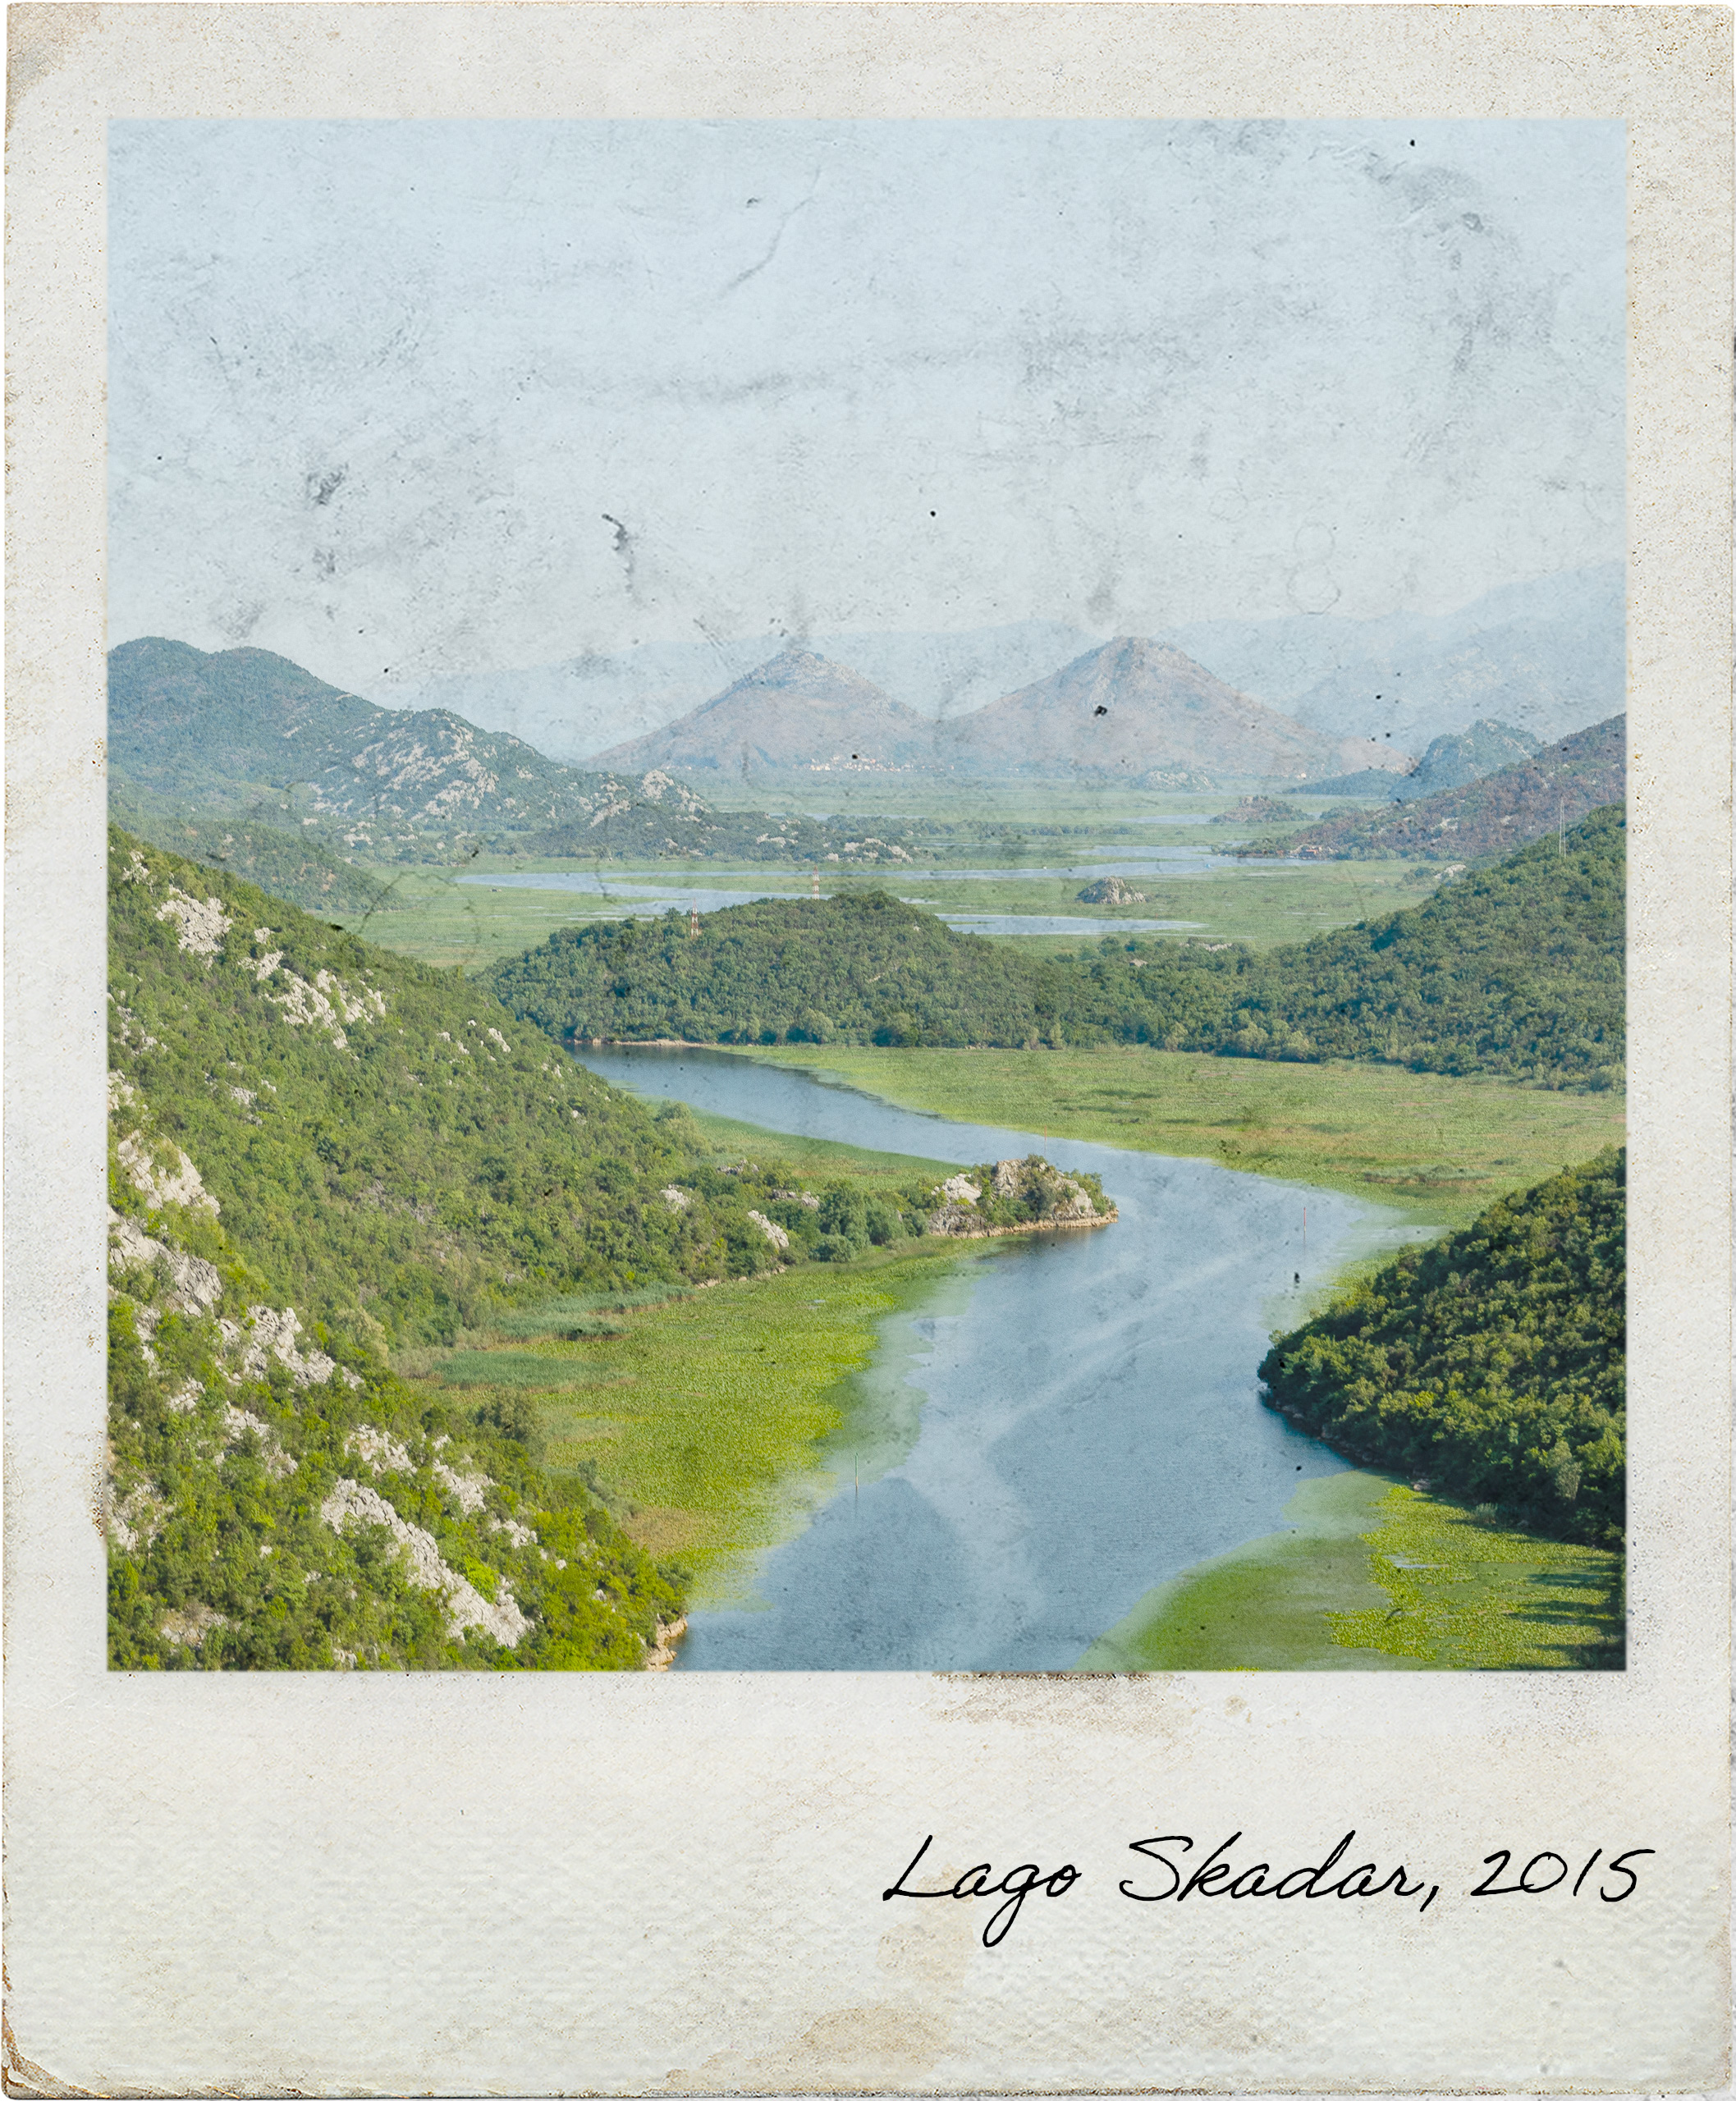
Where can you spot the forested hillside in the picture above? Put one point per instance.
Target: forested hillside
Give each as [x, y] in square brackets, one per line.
[384, 1150]
[855, 969]
[292, 865]
[1492, 1363]
[321, 1154]
[1517, 969]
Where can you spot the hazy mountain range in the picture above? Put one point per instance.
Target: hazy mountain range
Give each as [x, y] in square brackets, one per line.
[1547, 657]
[1476, 690]
[589, 704]
[205, 750]
[1131, 711]
[1545, 792]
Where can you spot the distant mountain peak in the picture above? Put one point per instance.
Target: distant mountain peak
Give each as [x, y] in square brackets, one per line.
[1134, 709]
[796, 712]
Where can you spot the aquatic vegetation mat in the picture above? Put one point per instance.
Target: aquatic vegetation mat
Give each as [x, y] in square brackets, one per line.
[1374, 1575]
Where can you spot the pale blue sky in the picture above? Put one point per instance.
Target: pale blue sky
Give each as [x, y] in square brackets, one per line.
[404, 399]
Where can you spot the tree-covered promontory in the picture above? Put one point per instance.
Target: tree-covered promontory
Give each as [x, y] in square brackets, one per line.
[1491, 1362]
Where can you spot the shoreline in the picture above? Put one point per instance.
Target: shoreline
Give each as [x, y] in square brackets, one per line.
[1031, 1225]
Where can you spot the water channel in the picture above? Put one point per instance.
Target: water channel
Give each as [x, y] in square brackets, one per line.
[1059, 1426]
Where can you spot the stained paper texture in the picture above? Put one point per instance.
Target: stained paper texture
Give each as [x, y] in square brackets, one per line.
[908, 823]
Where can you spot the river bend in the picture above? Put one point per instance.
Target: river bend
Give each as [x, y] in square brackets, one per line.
[1084, 1411]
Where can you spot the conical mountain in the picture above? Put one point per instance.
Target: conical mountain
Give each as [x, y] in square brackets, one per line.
[799, 712]
[1135, 710]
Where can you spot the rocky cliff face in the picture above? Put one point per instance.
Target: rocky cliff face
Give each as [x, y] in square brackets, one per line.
[219, 1401]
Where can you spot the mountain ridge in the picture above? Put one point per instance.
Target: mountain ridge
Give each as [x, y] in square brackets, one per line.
[1131, 710]
[1558, 785]
[1568, 627]
[200, 740]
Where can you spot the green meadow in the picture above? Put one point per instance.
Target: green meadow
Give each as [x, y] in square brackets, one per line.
[1438, 1147]
[1372, 1575]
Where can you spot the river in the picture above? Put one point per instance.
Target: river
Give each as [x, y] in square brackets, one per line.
[1062, 1424]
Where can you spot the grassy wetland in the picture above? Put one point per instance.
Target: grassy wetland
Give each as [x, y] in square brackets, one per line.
[704, 1417]
[1372, 1574]
[454, 916]
[1425, 1143]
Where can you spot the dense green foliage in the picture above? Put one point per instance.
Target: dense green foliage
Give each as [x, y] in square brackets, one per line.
[1520, 967]
[290, 864]
[861, 968]
[381, 1150]
[220, 1558]
[322, 1153]
[1516, 969]
[1491, 815]
[1491, 1362]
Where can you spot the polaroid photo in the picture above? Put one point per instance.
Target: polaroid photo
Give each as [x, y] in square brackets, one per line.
[844, 843]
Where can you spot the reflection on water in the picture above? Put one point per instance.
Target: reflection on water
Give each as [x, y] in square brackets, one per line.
[1039, 923]
[1076, 1418]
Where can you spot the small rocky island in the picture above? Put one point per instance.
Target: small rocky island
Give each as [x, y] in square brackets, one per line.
[1259, 809]
[1016, 1196]
[1110, 890]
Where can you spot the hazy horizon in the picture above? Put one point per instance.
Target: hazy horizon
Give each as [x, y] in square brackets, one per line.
[409, 400]
[773, 644]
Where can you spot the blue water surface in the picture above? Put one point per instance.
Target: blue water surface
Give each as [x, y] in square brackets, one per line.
[1088, 1414]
